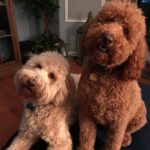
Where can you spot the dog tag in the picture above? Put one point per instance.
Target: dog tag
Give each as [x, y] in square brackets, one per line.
[93, 76]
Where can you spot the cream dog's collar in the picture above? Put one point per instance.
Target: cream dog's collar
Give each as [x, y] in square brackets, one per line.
[30, 106]
[97, 69]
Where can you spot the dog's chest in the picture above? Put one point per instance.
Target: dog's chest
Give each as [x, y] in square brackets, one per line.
[37, 120]
[104, 96]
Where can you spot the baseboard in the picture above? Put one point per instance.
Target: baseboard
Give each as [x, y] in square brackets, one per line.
[72, 53]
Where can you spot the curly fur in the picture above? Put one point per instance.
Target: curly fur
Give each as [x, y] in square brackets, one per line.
[45, 82]
[113, 97]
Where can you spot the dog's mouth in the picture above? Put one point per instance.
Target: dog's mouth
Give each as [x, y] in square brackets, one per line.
[29, 89]
[105, 41]
[26, 90]
[101, 47]
[29, 85]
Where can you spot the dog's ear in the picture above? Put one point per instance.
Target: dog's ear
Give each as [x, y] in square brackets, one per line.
[83, 41]
[65, 92]
[70, 85]
[60, 97]
[133, 66]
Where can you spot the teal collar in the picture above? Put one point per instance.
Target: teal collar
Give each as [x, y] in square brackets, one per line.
[30, 106]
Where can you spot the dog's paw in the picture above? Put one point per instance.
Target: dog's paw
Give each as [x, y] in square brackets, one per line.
[126, 140]
[11, 148]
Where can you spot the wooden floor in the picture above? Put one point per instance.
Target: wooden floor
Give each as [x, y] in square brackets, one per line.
[11, 105]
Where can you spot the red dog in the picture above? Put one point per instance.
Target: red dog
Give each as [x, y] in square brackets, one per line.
[109, 95]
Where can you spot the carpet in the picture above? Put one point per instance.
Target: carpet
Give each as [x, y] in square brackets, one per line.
[141, 139]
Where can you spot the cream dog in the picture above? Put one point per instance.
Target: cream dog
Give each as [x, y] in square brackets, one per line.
[49, 91]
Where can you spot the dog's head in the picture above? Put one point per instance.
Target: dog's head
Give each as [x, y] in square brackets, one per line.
[43, 78]
[116, 37]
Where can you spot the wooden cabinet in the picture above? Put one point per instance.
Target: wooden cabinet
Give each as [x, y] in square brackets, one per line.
[10, 58]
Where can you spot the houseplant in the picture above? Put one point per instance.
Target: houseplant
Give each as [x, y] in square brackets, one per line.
[46, 10]
[45, 43]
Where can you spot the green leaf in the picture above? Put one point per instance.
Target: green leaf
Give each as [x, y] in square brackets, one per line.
[45, 43]
[37, 7]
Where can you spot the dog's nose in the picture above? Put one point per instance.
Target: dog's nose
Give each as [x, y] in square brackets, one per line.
[107, 39]
[104, 42]
[30, 83]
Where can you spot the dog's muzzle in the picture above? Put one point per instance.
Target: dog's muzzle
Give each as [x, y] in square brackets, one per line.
[104, 41]
[30, 84]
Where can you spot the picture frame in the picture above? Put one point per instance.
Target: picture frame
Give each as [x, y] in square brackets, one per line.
[78, 16]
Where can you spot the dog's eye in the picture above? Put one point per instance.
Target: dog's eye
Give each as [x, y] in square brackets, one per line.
[52, 76]
[126, 31]
[109, 20]
[38, 66]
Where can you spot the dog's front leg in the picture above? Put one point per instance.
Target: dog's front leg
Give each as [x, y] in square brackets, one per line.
[22, 142]
[60, 143]
[58, 137]
[115, 134]
[87, 132]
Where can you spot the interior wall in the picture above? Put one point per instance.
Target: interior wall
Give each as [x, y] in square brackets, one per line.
[26, 26]
[29, 27]
[68, 30]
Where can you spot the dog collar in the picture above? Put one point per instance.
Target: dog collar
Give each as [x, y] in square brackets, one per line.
[99, 68]
[30, 106]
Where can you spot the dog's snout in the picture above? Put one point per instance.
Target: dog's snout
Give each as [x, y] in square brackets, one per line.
[104, 41]
[107, 39]
[30, 84]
